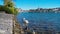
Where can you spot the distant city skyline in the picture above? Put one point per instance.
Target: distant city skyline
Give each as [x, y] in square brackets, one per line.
[33, 4]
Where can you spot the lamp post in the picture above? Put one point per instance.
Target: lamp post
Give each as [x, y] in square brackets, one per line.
[26, 24]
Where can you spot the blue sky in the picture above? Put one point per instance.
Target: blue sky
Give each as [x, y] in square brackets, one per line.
[33, 4]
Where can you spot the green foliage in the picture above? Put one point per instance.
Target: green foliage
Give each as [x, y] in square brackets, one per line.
[9, 4]
[6, 9]
[15, 11]
[9, 7]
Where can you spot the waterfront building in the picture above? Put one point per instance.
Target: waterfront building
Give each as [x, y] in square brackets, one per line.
[19, 10]
[55, 9]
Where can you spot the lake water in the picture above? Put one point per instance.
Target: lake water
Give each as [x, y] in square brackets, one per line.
[41, 21]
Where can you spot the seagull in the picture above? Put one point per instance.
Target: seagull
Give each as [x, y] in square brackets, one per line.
[26, 21]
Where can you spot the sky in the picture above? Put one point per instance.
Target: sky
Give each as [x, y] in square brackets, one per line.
[33, 4]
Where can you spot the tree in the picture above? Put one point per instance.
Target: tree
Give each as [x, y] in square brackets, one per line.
[15, 11]
[5, 2]
[9, 7]
[6, 9]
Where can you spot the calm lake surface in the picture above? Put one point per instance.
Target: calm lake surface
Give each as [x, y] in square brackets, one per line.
[41, 21]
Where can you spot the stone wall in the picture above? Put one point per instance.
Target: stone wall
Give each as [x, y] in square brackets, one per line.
[17, 28]
[9, 24]
[6, 23]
